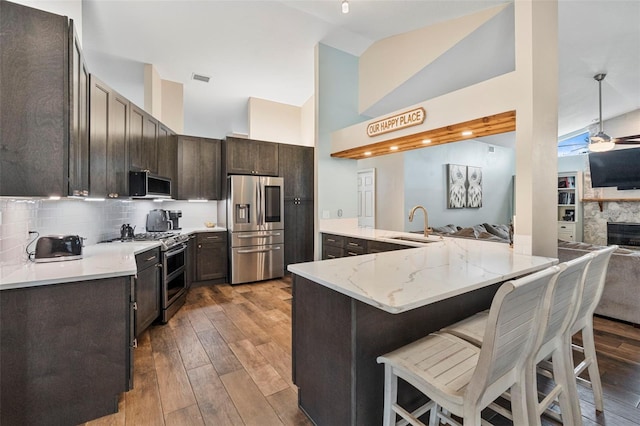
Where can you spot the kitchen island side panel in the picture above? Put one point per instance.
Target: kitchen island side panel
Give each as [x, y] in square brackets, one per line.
[337, 340]
[322, 355]
[65, 351]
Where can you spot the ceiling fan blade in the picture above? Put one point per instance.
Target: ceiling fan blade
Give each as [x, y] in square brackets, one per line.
[628, 139]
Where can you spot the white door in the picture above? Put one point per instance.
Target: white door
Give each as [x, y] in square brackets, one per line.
[367, 198]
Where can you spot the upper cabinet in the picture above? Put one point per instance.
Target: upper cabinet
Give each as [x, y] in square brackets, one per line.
[79, 115]
[35, 110]
[143, 141]
[199, 171]
[296, 167]
[168, 156]
[251, 157]
[109, 129]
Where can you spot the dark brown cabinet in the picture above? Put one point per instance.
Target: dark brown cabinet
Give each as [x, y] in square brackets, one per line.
[147, 289]
[168, 156]
[335, 246]
[251, 157]
[36, 101]
[79, 114]
[143, 141]
[109, 125]
[211, 256]
[198, 168]
[297, 169]
[66, 351]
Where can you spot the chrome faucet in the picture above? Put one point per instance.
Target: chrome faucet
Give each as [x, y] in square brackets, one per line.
[426, 219]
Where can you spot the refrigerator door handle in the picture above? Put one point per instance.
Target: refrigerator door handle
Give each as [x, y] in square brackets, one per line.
[273, 234]
[258, 250]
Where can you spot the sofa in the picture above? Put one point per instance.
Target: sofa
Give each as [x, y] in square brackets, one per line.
[621, 296]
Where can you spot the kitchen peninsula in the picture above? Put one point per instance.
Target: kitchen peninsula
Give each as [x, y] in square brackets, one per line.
[348, 311]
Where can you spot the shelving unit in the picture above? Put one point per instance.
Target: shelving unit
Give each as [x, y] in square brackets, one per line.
[569, 206]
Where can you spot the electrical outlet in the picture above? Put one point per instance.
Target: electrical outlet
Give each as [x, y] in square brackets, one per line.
[326, 214]
[0, 218]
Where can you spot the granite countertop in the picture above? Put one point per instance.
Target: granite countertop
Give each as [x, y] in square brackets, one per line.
[398, 281]
[105, 260]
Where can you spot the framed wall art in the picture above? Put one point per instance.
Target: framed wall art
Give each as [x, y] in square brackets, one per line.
[456, 190]
[474, 187]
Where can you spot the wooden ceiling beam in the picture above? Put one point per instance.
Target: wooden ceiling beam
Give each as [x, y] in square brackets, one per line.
[484, 126]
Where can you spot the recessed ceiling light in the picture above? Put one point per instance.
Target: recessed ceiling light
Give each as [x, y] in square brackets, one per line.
[426, 141]
[393, 148]
[467, 133]
[345, 6]
[367, 153]
[200, 77]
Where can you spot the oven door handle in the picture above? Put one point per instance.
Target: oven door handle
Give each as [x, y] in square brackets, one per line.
[174, 251]
[258, 250]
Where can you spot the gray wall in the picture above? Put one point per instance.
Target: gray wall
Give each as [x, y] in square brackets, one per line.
[425, 183]
[337, 101]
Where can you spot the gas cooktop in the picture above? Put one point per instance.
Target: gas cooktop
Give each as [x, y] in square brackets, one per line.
[167, 239]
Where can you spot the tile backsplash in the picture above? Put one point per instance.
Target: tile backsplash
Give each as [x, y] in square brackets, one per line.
[95, 221]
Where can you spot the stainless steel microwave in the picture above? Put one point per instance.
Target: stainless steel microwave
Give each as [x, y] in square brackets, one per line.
[146, 185]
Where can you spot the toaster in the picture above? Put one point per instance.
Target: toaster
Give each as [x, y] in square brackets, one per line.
[55, 248]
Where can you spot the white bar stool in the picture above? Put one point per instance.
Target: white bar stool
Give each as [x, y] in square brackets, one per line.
[462, 378]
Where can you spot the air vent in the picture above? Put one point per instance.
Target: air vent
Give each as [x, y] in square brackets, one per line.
[200, 77]
[492, 149]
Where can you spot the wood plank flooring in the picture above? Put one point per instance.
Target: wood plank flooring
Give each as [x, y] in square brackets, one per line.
[225, 359]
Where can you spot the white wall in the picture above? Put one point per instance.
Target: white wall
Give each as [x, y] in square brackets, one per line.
[390, 189]
[308, 122]
[173, 105]
[274, 121]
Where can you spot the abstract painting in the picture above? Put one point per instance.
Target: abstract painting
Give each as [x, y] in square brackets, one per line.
[456, 190]
[474, 187]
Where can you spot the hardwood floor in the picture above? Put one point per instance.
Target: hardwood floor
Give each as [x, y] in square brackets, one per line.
[225, 359]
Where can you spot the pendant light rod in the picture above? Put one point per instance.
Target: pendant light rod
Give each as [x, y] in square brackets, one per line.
[599, 78]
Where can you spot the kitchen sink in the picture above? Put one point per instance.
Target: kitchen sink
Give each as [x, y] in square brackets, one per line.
[412, 239]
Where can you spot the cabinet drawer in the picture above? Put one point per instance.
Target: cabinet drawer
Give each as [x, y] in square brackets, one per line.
[567, 232]
[211, 237]
[380, 247]
[331, 252]
[333, 240]
[147, 259]
[356, 245]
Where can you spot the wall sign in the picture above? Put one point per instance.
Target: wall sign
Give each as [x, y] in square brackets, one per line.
[396, 122]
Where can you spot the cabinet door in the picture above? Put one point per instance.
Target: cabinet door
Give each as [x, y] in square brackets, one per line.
[266, 158]
[240, 157]
[290, 228]
[100, 95]
[79, 114]
[136, 139]
[108, 141]
[296, 167]
[150, 144]
[147, 297]
[168, 156]
[209, 169]
[211, 262]
[304, 231]
[188, 167]
[117, 170]
[34, 112]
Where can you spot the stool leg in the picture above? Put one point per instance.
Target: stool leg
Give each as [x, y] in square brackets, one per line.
[519, 401]
[563, 376]
[594, 372]
[390, 395]
[433, 415]
[531, 394]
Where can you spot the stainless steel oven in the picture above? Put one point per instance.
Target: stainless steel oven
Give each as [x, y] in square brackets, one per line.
[174, 280]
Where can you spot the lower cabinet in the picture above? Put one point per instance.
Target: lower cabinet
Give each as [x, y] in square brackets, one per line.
[335, 246]
[211, 256]
[67, 351]
[298, 231]
[148, 282]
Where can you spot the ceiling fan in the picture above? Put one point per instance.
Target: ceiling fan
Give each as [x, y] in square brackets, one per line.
[601, 141]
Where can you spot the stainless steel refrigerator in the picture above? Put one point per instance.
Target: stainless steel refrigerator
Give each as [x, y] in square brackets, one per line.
[255, 220]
